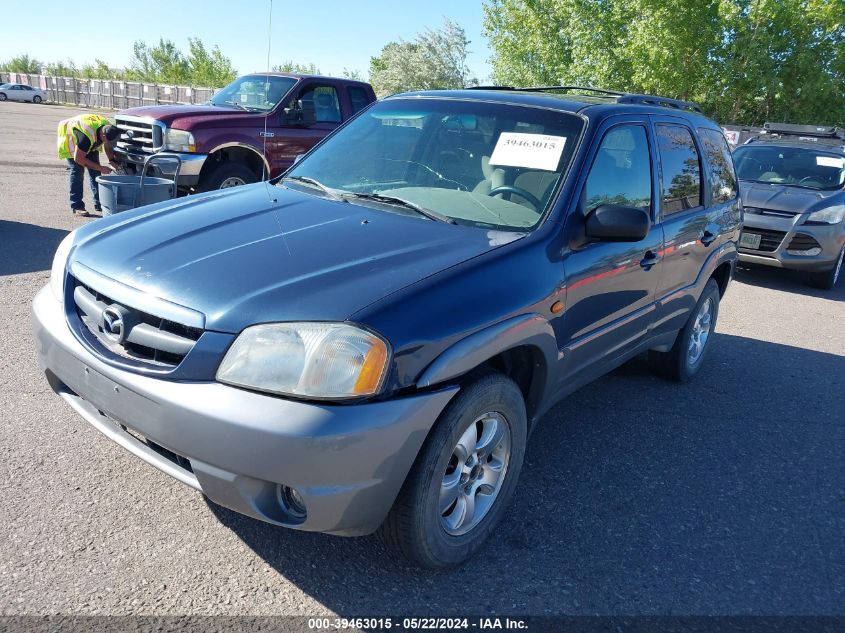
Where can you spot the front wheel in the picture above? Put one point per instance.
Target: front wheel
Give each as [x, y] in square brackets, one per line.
[227, 174]
[2, 96]
[686, 357]
[826, 280]
[36, 99]
[463, 478]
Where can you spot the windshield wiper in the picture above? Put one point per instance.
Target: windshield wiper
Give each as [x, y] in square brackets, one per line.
[316, 183]
[401, 202]
[234, 104]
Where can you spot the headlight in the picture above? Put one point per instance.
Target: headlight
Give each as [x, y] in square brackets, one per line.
[318, 360]
[179, 140]
[57, 272]
[831, 215]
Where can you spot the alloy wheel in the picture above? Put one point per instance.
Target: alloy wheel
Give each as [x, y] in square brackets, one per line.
[475, 473]
[700, 331]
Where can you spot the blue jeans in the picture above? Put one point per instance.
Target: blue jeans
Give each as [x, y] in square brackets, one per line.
[75, 177]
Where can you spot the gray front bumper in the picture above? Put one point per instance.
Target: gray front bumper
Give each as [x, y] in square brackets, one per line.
[347, 462]
[830, 238]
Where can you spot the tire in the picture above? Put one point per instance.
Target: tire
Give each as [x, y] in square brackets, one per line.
[36, 99]
[2, 96]
[826, 280]
[679, 364]
[415, 526]
[227, 174]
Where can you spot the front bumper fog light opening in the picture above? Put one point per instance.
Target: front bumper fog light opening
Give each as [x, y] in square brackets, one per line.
[291, 501]
[808, 253]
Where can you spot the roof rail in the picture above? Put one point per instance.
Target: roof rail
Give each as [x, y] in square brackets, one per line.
[817, 131]
[621, 97]
[664, 102]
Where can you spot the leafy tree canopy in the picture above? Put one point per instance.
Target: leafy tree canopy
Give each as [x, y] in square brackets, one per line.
[435, 59]
[744, 61]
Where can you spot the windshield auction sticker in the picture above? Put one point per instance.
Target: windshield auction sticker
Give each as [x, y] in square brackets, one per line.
[534, 151]
[822, 161]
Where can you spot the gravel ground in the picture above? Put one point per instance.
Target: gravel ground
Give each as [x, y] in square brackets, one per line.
[725, 496]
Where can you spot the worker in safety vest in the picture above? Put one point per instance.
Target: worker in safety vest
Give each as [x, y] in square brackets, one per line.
[80, 140]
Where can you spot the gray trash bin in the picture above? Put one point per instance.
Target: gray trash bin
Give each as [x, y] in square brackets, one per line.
[121, 193]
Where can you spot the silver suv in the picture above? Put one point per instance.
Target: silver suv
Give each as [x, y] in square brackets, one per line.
[792, 179]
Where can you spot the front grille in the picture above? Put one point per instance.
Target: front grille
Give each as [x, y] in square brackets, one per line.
[769, 240]
[139, 135]
[801, 242]
[132, 333]
[773, 212]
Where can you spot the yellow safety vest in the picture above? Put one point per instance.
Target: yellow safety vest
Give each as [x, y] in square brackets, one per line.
[88, 124]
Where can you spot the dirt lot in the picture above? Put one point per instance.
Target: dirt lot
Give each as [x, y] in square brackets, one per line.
[725, 496]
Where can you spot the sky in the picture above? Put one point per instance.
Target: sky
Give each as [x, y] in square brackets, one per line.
[333, 34]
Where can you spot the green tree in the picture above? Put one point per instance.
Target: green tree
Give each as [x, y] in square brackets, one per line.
[745, 61]
[99, 70]
[208, 67]
[293, 67]
[163, 63]
[354, 74]
[22, 64]
[435, 59]
[62, 69]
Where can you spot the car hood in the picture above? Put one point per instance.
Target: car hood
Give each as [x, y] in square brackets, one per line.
[185, 117]
[783, 198]
[264, 253]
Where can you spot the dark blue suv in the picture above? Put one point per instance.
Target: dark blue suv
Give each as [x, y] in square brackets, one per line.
[367, 341]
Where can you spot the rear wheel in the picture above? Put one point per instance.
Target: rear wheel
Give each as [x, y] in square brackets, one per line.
[36, 99]
[827, 279]
[686, 357]
[227, 174]
[463, 478]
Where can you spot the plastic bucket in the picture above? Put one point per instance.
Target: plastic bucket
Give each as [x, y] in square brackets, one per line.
[121, 193]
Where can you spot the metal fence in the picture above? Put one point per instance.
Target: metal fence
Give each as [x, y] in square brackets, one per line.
[106, 93]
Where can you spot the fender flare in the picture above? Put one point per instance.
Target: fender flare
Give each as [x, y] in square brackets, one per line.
[532, 330]
[243, 146]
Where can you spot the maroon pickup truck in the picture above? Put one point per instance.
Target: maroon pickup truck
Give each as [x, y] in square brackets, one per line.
[253, 128]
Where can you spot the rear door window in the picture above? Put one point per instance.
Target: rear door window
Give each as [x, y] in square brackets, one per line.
[681, 169]
[723, 185]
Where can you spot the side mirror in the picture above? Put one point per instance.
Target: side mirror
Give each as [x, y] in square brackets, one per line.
[615, 223]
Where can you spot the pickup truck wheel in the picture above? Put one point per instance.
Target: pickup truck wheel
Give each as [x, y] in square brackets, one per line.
[826, 280]
[227, 174]
[463, 478]
[686, 357]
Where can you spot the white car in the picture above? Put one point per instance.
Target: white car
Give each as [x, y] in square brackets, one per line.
[21, 92]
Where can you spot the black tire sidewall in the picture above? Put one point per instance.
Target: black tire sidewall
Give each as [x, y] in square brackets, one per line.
[494, 392]
[225, 170]
[826, 280]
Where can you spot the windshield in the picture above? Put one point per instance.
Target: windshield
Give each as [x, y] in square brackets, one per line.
[481, 164]
[255, 93]
[798, 166]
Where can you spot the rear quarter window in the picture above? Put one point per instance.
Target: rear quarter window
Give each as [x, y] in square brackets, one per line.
[723, 183]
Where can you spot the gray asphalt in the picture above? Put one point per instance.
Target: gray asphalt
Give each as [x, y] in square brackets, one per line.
[725, 496]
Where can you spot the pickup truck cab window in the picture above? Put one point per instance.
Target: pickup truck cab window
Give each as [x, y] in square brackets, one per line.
[681, 169]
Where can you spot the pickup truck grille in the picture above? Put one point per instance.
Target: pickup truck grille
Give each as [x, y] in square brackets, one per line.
[133, 334]
[139, 135]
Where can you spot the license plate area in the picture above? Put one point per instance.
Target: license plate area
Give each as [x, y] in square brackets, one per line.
[750, 240]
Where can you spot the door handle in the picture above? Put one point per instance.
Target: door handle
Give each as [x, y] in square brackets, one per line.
[651, 258]
[707, 238]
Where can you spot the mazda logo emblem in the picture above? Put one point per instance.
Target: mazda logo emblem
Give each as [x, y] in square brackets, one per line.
[113, 325]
